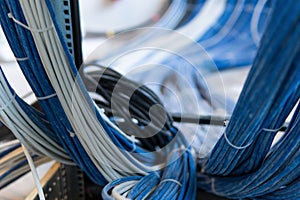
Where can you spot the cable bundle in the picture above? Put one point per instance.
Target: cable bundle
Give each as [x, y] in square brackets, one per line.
[115, 93]
[221, 25]
[28, 125]
[171, 18]
[102, 142]
[173, 183]
[250, 167]
[27, 56]
[242, 164]
[13, 163]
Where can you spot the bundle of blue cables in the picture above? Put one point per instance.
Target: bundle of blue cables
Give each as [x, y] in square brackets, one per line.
[243, 164]
[22, 44]
[231, 39]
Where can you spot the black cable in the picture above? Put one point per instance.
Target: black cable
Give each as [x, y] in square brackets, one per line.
[140, 99]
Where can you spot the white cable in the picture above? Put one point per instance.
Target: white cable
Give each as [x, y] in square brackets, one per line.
[34, 174]
[25, 129]
[119, 192]
[78, 110]
[21, 170]
[8, 144]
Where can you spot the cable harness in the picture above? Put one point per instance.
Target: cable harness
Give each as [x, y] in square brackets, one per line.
[78, 127]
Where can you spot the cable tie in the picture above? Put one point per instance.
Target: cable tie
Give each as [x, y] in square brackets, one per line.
[171, 180]
[46, 97]
[234, 146]
[29, 28]
[133, 143]
[156, 174]
[181, 149]
[273, 130]
[22, 59]
[72, 134]
[8, 103]
[226, 122]
[213, 189]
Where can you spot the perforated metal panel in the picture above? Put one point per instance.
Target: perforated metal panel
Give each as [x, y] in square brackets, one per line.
[66, 183]
[68, 17]
[63, 15]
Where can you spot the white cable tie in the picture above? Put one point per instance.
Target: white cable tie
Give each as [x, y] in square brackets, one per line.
[46, 97]
[8, 103]
[29, 28]
[213, 189]
[156, 174]
[234, 146]
[171, 180]
[72, 134]
[133, 143]
[181, 149]
[226, 122]
[21, 59]
[272, 130]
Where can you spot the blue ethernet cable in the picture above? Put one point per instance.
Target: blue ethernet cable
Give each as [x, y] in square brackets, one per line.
[10, 149]
[73, 68]
[32, 127]
[43, 80]
[278, 175]
[194, 8]
[234, 33]
[192, 176]
[172, 182]
[229, 41]
[23, 47]
[238, 38]
[251, 157]
[169, 20]
[281, 88]
[245, 146]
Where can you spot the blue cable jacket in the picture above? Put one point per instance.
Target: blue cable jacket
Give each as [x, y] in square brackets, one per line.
[236, 48]
[24, 47]
[280, 169]
[269, 94]
[250, 169]
[5, 152]
[264, 81]
[15, 167]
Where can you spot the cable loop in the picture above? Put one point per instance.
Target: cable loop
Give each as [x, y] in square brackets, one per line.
[171, 180]
[29, 28]
[22, 59]
[273, 130]
[46, 97]
[234, 146]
